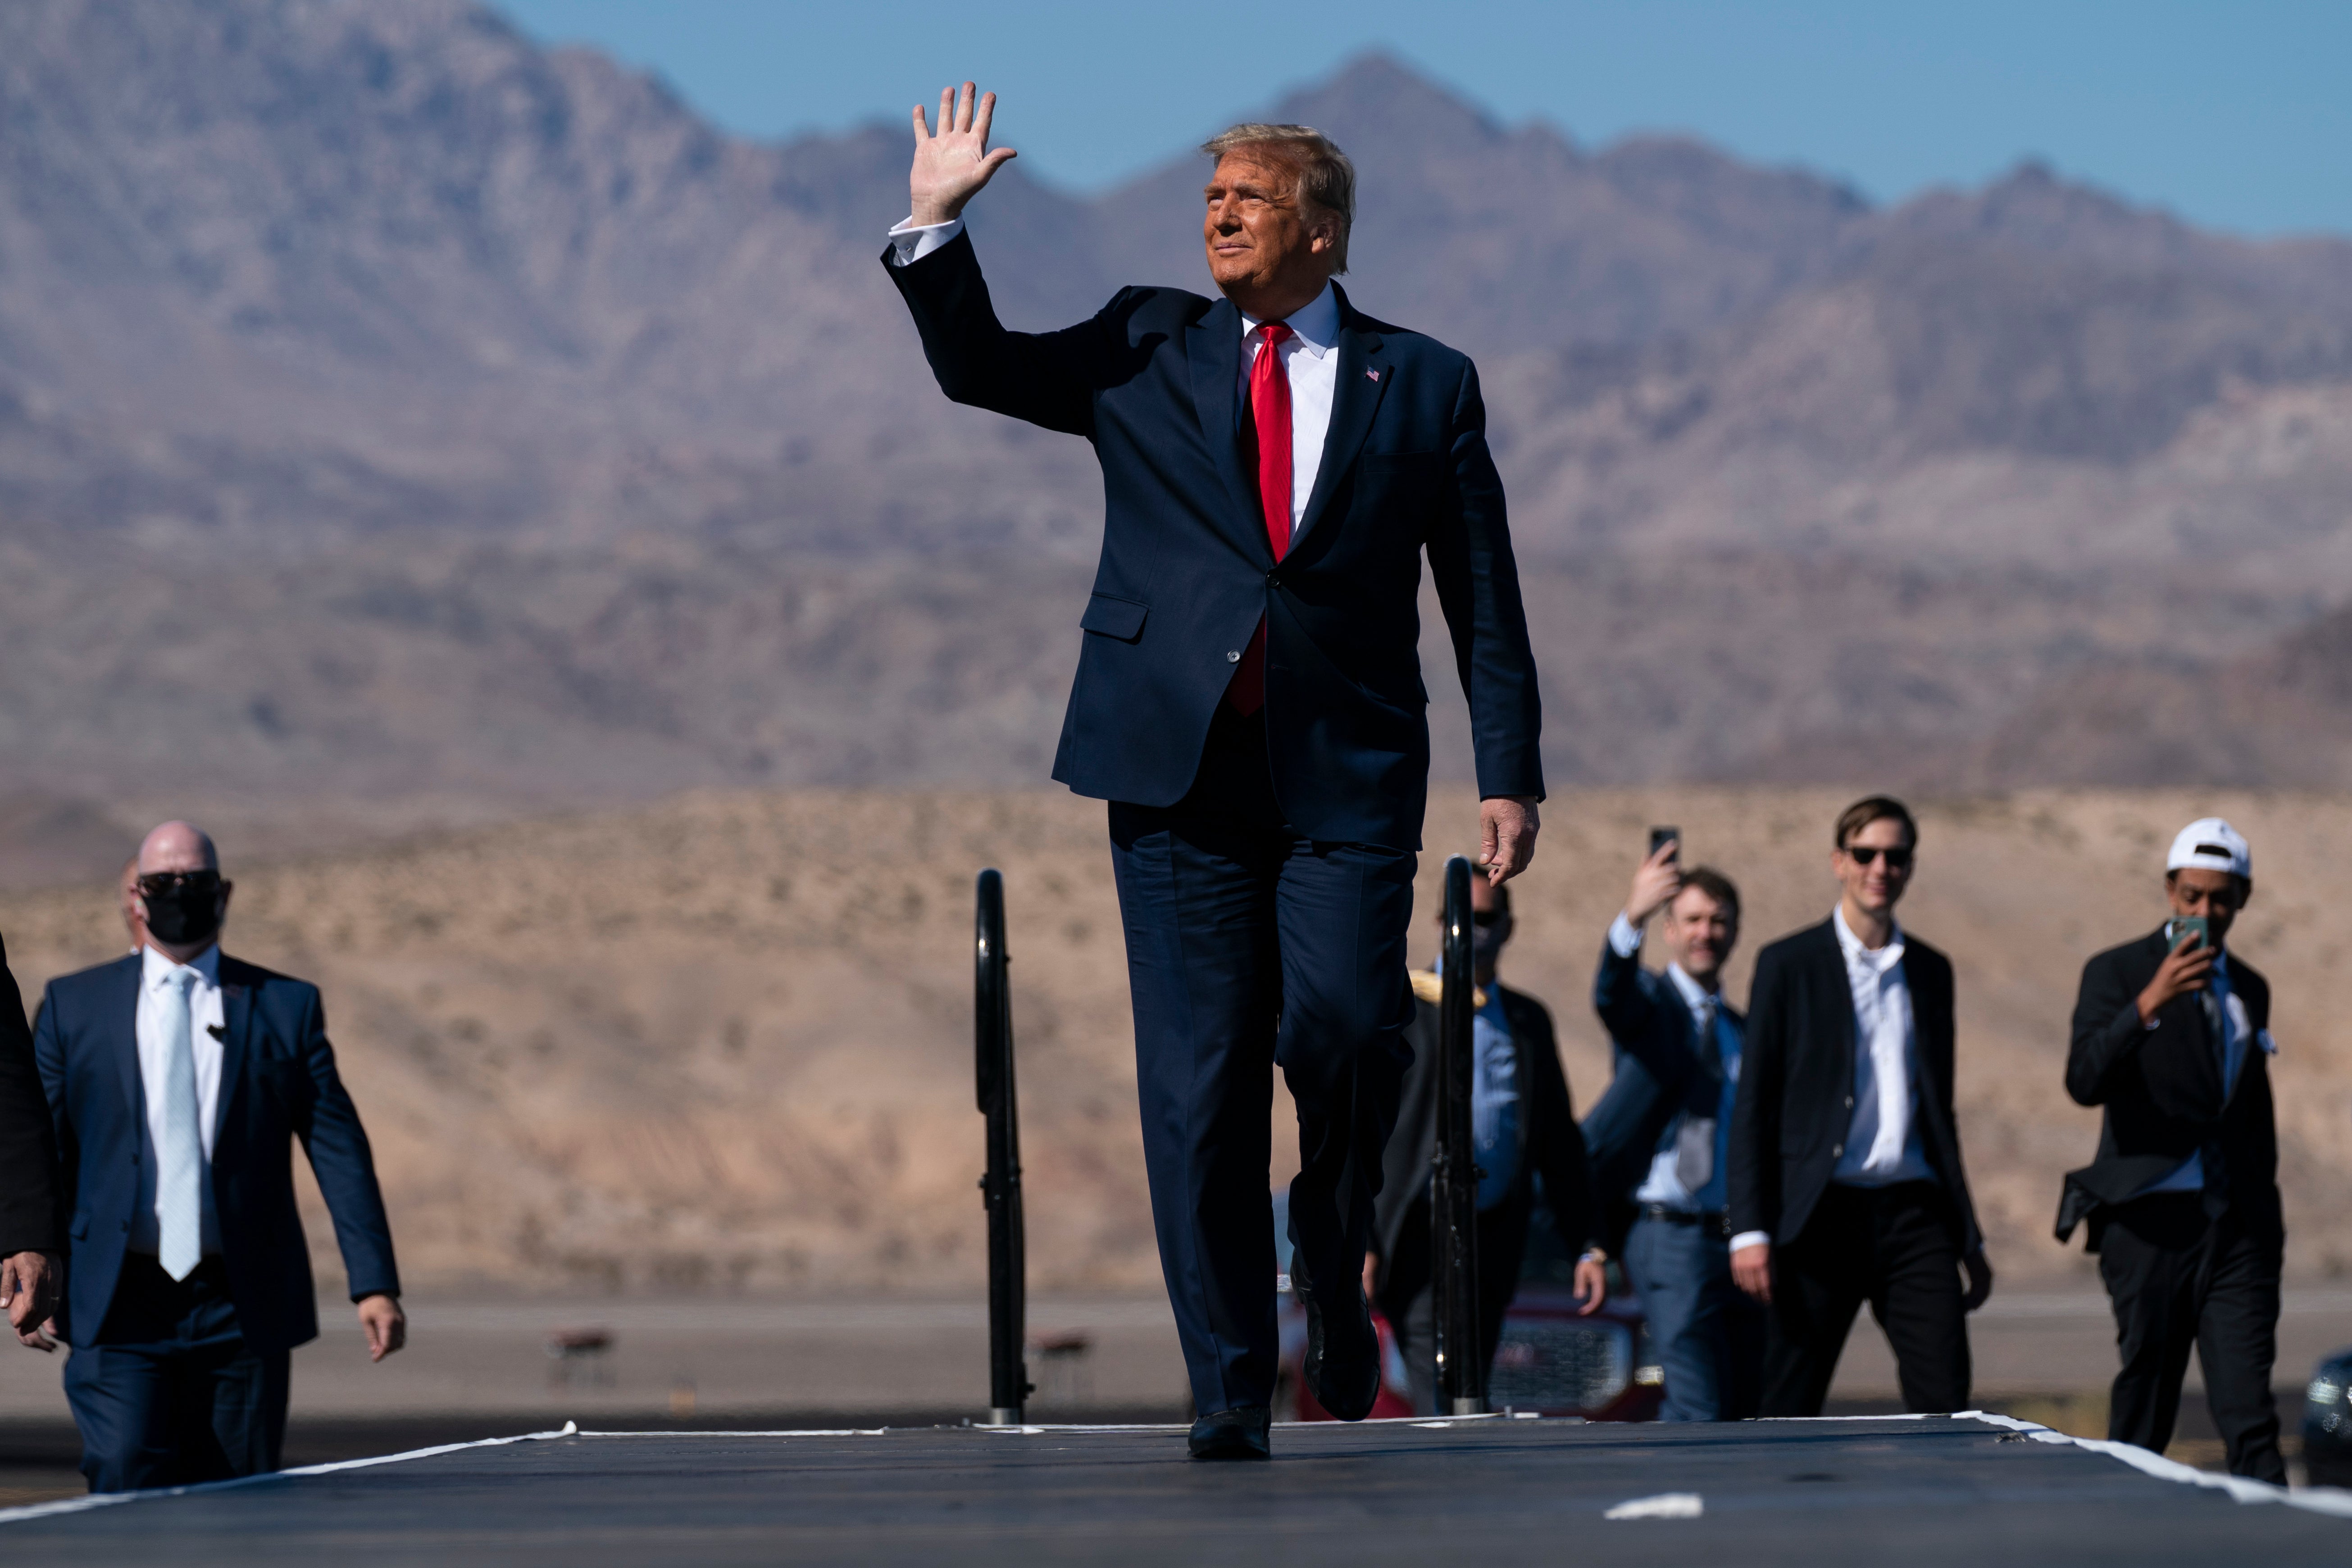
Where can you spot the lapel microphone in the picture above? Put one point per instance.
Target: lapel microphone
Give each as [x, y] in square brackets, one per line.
[217, 1031]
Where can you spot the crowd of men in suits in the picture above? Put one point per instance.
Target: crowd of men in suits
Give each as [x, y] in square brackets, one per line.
[1759, 1174]
[1278, 466]
[1763, 1174]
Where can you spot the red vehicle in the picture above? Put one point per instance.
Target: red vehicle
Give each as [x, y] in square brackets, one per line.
[1551, 1361]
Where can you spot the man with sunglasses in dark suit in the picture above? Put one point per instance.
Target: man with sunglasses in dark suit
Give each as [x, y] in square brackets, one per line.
[177, 1078]
[1846, 1180]
[2173, 1040]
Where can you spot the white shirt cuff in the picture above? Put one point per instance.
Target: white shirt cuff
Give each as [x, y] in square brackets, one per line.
[1751, 1239]
[1625, 936]
[916, 240]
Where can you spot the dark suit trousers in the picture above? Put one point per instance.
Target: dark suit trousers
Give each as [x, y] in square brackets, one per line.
[168, 1393]
[1409, 1293]
[2177, 1279]
[1891, 1246]
[1249, 947]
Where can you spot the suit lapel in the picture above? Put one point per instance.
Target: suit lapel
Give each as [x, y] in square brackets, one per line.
[1841, 985]
[125, 1047]
[236, 1024]
[1364, 375]
[1213, 347]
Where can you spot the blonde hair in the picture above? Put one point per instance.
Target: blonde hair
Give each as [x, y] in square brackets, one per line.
[1327, 179]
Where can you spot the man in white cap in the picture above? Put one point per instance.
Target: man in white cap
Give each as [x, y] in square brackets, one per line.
[2171, 1036]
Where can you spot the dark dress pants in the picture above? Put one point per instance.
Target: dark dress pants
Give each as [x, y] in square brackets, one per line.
[1893, 1247]
[2176, 1279]
[1409, 1293]
[1249, 947]
[1708, 1331]
[168, 1394]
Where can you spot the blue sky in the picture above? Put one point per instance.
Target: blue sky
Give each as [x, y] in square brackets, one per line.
[2234, 115]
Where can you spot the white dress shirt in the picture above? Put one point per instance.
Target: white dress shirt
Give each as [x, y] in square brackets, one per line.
[1310, 355]
[205, 1015]
[1882, 1137]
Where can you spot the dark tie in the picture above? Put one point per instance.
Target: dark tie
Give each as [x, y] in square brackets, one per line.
[1269, 404]
[2217, 1175]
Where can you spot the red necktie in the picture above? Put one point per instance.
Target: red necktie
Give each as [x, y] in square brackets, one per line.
[1270, 414]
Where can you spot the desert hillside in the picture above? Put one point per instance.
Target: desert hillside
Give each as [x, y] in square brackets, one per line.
[724, 1041]
[392, 407]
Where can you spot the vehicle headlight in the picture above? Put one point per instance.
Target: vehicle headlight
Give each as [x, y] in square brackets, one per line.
[2324, 1393]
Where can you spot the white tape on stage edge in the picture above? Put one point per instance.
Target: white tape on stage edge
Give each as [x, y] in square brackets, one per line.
[2332, 1500]
[109, 1500]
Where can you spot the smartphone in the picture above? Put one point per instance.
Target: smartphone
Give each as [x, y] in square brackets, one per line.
[2190, 932]
[1661, 835]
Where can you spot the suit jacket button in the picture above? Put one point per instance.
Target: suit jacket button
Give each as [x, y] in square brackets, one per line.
[1849, 1102]
[1837, 1152]
[1272, 580]
[1234, 655]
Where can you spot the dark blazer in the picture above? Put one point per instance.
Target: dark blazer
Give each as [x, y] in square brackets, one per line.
[1553, 1145]
[1186, 573]
[2163, 1094]
[278, 1083]
[1796, 1083]
[1651, 1029]
[29, 1221]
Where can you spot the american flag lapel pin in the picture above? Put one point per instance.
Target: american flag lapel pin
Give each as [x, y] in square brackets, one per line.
[1372, 375]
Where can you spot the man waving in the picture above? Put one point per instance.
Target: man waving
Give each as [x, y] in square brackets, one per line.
[1249, 700]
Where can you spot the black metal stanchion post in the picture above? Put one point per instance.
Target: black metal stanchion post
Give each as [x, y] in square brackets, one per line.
[1453, 1211]
[1008, 1374]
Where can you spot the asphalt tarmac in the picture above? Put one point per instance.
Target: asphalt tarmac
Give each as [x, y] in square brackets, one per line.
[1877, 1491]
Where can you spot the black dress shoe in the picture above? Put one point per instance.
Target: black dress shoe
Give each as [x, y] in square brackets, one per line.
[1233, 1435]
[1343, 1367]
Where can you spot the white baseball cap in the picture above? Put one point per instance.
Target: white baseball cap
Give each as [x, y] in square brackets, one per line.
[2213, 844]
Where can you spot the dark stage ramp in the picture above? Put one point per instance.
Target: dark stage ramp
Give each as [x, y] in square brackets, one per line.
[1893, 1493]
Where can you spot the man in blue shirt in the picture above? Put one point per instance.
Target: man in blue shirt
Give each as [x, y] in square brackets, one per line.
[1523, 1125]
[1678, 1045]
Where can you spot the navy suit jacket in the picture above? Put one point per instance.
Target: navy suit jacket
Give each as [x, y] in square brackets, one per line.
[1187, 573]
[1651, 1028]
[278, 1083]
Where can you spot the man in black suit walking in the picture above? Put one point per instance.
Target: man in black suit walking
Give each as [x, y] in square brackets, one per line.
[2172, 1037]
[1846, 1183]
[1523, 1126]
[1276, 465]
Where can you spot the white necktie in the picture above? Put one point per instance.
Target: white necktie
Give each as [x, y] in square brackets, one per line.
[179, 1160]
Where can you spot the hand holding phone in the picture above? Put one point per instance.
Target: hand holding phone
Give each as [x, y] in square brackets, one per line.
[1659, 876]
[2185, 969]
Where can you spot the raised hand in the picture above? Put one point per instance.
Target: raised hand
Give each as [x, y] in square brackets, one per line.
[950, 167]
[1656, 883]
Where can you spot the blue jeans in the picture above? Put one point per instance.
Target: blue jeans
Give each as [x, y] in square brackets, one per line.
[1709, 1334]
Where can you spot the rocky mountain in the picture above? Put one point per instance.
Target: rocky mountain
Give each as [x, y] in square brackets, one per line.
[391, 407]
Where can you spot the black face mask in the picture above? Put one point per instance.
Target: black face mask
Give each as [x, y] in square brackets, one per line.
[184, 912]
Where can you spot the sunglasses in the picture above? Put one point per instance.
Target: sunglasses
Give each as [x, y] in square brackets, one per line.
[1863, 855]
[1489, 917]
[160, 883]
